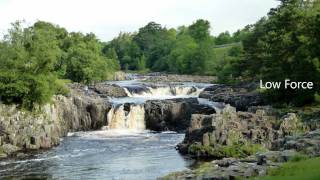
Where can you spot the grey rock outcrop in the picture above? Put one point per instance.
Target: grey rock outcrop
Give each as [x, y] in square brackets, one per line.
[172, 114]
[240, 97]
[108, 90]
[230, 127]
[233, 168]
[224, 169]
[42, 129]
[308, 143]
[162, 77]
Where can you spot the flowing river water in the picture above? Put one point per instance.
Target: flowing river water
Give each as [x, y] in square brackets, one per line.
[122, 150]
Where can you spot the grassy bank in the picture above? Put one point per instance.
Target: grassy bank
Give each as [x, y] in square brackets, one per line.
[304, 169]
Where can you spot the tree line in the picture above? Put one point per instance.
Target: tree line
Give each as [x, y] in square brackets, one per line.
[284, 44]
[35, 59]
[185, 50]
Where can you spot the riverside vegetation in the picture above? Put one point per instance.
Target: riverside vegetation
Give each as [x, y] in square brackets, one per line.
[283, 45]
[38, 61]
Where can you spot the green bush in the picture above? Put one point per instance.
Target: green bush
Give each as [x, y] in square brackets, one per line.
[60, 87]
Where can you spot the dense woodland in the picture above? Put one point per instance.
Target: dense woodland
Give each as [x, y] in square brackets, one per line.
[36, 60]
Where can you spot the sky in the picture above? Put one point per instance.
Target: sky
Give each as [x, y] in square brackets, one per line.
[106, 18]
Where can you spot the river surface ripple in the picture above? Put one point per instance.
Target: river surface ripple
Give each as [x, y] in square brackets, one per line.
[102, 155]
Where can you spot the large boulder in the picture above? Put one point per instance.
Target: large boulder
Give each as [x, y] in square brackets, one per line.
[172, 114]
[242, 97]
[82, 112]
[108, 90]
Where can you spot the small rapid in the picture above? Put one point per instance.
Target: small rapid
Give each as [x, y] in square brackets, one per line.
[127, 113]
[165, 91]
[123, 148]
[126, 116]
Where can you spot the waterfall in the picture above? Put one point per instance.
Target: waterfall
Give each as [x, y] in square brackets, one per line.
[128, 113]
[163, 91]
[126, 116]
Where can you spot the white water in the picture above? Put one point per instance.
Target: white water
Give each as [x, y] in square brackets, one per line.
[133, 119]
[166, 91]
[122, 150]
[215, 105]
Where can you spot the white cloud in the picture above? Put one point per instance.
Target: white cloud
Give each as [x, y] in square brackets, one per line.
[107, 18]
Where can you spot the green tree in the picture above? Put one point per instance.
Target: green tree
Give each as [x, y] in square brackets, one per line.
[282, 46]
[155, 43]
[85, 62]
[181, 56]
[141, 65]
[223, 38]
[127, 51]
[28, 56]
[200, 30]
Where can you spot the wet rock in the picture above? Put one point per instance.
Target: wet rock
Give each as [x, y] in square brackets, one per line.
[241, 97]
[172, 114]
[21, 155]
[107, 90]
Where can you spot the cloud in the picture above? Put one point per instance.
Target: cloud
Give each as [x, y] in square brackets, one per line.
[107, 18]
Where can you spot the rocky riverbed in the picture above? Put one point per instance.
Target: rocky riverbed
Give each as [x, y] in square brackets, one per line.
[247, 138]
[230, 124]
[22, 130]
[83, 110]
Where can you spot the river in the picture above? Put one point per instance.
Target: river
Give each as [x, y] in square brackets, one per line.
[103, 155]
[122, 150]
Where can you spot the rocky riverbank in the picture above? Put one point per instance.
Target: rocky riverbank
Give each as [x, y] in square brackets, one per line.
[22, 130]
[246, 138]
[82, 110]
[293, 148]
[243, 135]
[172, 114]
[241, 96]
[212, 135]
[168, 78]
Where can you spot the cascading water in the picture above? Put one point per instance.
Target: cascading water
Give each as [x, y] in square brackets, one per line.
[124, 150]
[126, 116]
[163, 91]
[128, 112]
